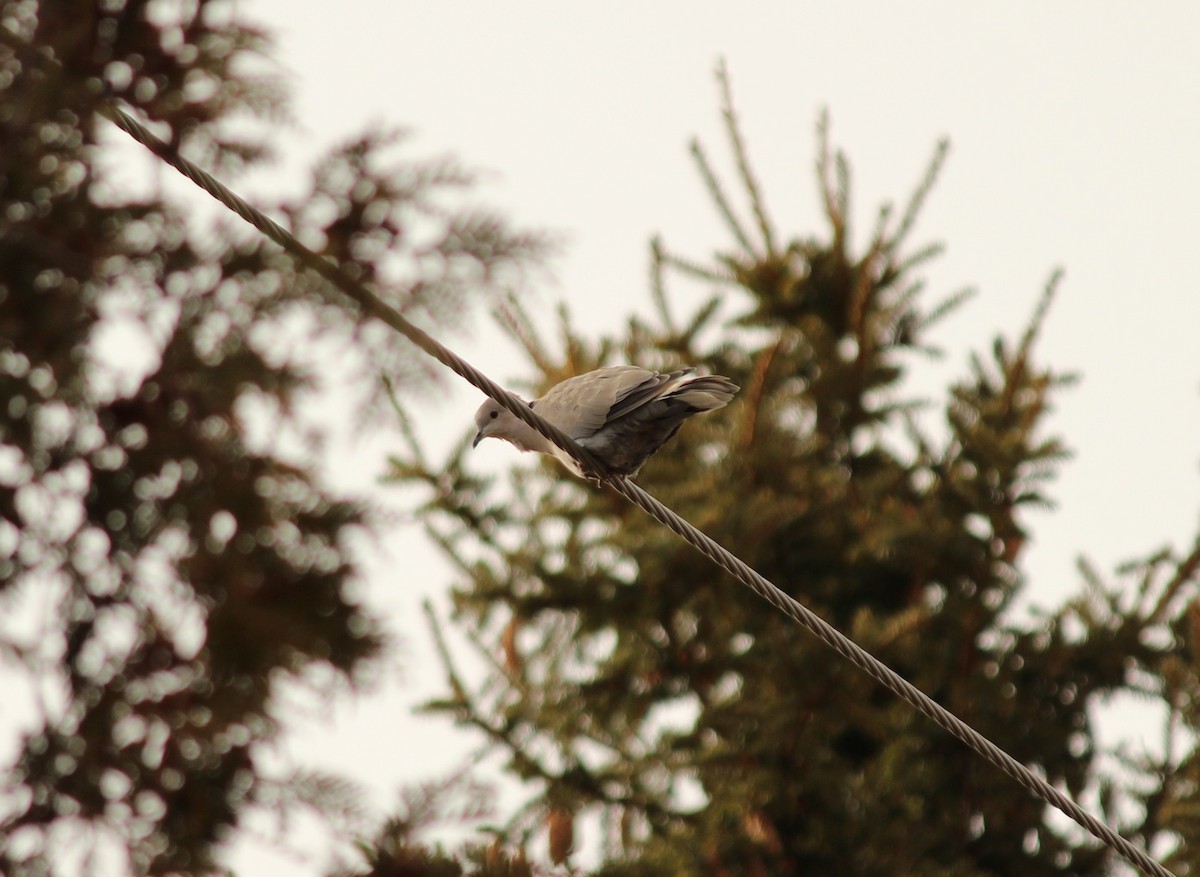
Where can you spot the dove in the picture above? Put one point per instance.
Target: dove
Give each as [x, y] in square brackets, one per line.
[622, 414]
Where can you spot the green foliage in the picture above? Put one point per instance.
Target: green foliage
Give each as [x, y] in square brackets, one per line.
[630, 681]
[164, 570]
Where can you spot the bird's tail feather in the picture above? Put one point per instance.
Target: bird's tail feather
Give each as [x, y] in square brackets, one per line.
[706, 393]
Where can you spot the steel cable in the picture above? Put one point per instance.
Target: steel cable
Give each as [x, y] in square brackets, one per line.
[847, 648]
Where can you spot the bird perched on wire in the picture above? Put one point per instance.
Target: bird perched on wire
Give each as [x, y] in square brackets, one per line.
[622, 414]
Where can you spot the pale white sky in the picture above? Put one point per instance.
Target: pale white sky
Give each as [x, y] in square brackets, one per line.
[1074, 132]
[1075, 129]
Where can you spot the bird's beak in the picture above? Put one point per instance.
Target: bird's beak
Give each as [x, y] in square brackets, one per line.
[479, 436]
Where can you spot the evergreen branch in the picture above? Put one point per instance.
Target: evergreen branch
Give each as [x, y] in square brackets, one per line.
[1039, 314]
[1187, 571]
[842, 168]
[755, 393]
[1149, 568]
[426, 804]
[515, 319]
[407, 430]
[917, 201]
[701, 317]
[741, 157]
[946, 307]
[1016, 369]
[448, 548]
[575, 776]
[462, 702]
[572, 345]
[925, 451]
[336, 798]
[658, 291]
[719, 198]
[1092, 579]
[579, 358]
[695, 270]
[864, 293]
[500, 667]
[906, 300]
[915, 260]
[829, 195]
[879, 232]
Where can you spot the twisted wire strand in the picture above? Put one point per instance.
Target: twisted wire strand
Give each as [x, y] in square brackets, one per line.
[828, 634]
[884, 674]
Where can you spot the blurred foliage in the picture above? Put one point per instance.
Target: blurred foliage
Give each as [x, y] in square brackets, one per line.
[166, 569]
[630, 683]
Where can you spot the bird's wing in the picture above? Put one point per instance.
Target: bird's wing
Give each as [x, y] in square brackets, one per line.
[653, 386]
[582, 405]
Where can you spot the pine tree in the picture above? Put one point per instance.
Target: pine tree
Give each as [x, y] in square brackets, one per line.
[164, 570]
[633, 682]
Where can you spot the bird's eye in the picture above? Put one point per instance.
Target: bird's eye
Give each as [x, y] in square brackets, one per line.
[495, 414]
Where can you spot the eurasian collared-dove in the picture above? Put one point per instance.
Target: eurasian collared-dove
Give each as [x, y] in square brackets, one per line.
[622, 414]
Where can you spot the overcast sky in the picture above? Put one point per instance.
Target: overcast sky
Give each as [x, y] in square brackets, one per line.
[1075, 131]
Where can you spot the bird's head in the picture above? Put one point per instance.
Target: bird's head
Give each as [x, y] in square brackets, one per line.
[493, 420]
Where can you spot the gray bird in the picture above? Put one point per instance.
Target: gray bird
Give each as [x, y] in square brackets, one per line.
[622, 414]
